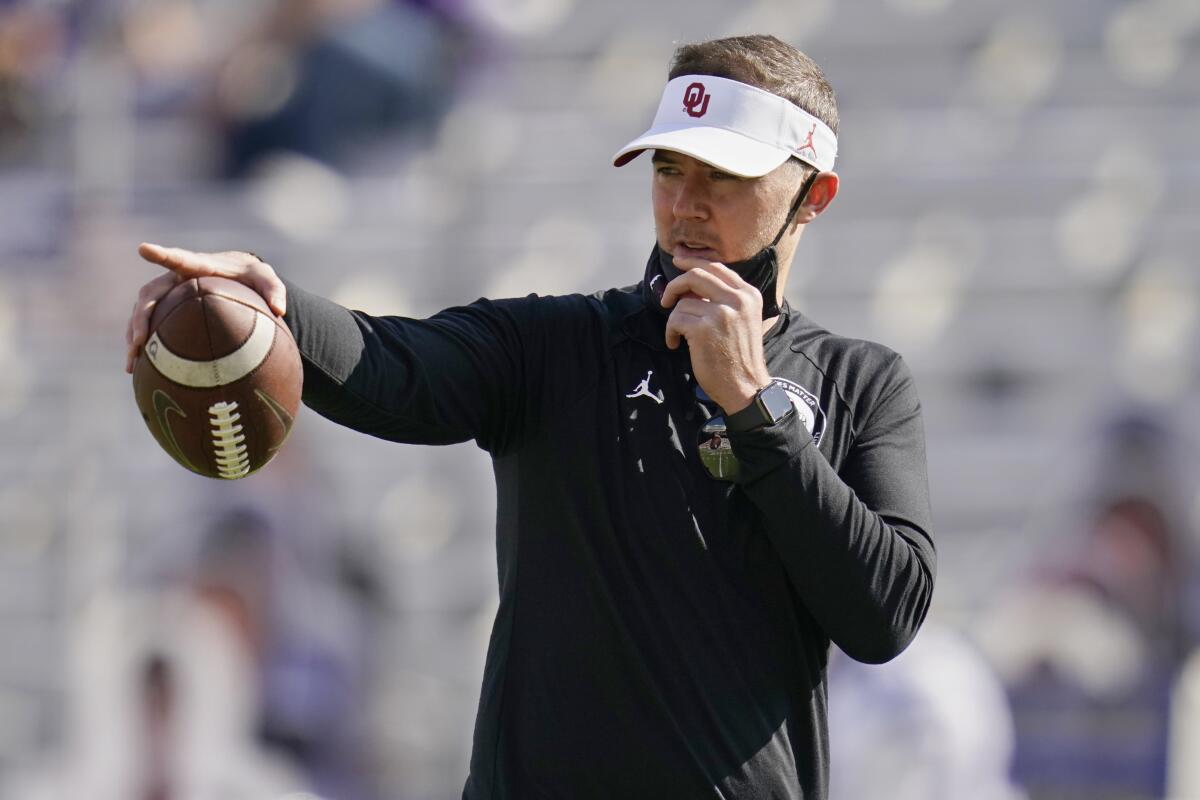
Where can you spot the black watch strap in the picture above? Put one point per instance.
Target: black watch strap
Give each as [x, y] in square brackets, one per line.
[770, 405]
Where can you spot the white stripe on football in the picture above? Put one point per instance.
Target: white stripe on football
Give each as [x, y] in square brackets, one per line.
[218, 372]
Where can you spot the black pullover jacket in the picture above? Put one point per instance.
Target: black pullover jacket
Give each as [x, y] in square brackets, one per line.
[660, 634]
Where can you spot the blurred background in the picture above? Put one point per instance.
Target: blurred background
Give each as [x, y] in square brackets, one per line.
[1020, 217]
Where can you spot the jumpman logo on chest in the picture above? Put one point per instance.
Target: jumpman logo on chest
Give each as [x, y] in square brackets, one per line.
[643, 390]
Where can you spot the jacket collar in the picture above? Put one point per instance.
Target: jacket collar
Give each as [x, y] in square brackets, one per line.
[647, 322]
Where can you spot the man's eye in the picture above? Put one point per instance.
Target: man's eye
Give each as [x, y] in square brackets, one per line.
[665, 170]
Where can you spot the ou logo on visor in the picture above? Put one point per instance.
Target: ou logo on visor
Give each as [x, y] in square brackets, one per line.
[695, 100]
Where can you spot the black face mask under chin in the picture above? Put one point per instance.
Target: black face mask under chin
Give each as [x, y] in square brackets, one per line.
[760, 270]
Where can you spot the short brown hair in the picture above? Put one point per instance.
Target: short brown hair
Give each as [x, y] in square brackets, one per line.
[764, 62]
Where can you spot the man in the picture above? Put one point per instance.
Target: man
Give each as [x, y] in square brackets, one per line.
[699, 489]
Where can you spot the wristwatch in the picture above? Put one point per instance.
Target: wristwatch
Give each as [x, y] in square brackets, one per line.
[769, 406]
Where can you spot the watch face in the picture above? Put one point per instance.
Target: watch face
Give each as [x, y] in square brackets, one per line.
[776, 401]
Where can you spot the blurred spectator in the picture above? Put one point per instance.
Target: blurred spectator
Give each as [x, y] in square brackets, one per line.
[932, 724]
[161, 707]
[243, 679]
[1090, 648]
[324, 78]
[33, 47]
[1183, 768]
[159, 703]
[306, 638]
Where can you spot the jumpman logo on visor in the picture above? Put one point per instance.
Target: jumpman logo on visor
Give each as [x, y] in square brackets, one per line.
[808, 143]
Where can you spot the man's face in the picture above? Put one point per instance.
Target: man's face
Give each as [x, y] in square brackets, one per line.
[703, 212]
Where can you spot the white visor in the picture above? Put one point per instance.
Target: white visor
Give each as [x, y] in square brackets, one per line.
[737, 128]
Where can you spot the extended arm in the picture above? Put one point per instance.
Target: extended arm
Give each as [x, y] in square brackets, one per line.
[456, 376]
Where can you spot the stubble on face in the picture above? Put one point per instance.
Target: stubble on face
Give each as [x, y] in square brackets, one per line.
[743, 214]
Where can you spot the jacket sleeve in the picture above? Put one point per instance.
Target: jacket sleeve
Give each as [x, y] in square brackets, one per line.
[461, 374]
[856, 543]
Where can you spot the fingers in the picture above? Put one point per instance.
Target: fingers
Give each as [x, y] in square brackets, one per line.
[730, 277]
[680, 324]
[709, 284]
[267, 284]
[184, 262]
[708, 300]
[153, 253]
[240, 266]
[139, 319]
[260, 276]
[148, 295]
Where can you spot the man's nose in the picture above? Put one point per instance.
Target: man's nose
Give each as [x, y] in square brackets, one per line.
[691, 202]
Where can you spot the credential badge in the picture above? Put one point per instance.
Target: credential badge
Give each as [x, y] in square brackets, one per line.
[807, 407]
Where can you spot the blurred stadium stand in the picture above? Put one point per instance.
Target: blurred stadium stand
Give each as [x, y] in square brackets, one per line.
[1018, 217]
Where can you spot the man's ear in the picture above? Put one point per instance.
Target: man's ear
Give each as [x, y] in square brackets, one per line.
[820, 194]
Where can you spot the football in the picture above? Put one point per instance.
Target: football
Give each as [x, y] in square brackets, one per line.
[218, 381]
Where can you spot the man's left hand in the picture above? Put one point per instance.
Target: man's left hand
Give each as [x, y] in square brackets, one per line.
[720, 315]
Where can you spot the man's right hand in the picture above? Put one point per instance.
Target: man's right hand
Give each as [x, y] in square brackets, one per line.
[185, 264]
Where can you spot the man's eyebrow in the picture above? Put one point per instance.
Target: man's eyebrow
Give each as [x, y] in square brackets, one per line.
[665, 155]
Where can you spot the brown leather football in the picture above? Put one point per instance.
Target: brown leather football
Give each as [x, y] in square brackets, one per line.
[218, 381]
